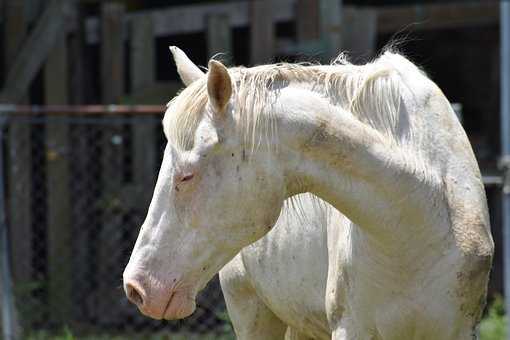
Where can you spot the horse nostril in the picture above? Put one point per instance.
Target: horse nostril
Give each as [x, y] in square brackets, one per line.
[134, 295]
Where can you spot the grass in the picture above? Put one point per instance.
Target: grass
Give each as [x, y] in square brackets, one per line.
[493, 325]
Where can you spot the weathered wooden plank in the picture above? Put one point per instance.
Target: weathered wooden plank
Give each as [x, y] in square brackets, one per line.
[78, 77]
[143, 128]
[19, 139]
[18, 160]
[219, 35]
[58, 179]
[359, 32]
[190, 19]
[143, 47]
[136, 197]
[437, 16]
[262, 40]
[330, 12]
[112, 165]
[307, 20]
[33, 53]
[33, 9]
[112, 52]
[15, 27]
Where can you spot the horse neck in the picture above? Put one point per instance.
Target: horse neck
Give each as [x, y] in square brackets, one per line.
[327, 151]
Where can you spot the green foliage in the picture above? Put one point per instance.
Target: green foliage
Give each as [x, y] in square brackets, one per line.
[493, 326]
[227, 328]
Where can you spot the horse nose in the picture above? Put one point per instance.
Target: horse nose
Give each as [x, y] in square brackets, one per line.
[135, 294]
[145, 293]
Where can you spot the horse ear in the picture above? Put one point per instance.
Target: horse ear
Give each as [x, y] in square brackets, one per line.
[219, 86]
[188, 71]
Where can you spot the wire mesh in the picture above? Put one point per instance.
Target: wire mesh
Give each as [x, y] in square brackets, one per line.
[78, 188]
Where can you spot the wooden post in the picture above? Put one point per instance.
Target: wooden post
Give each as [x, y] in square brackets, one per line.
[24, 65]
[262, 32]
[19, 154]
[58, 156]
[143, 61]
[219, 36]
[360, 32]
[18, 158]
[143, 70]
[78, 91]
[33, 9]
[112, 52]
[112, 164]
[307, 20]
[143, 128]
[331, 26]
[83, 147]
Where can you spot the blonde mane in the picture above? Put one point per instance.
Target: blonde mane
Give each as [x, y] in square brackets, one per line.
[371, 92]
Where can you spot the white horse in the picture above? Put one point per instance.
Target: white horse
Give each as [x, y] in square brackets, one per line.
[379, 142]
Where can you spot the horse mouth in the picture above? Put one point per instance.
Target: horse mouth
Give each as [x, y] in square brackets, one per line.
[181, 304]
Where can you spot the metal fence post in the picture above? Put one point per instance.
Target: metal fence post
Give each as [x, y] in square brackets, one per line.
[505, 145]
[9, 323]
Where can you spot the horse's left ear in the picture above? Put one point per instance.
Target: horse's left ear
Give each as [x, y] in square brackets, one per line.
[219, 86]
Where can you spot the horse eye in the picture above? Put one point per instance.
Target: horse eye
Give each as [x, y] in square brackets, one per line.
[186, 178]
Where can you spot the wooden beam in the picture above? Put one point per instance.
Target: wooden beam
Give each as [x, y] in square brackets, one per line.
[143, 62]
[331, 27]
[33, 9]
[112, 163]
[33, 53]
[19, 215]
[219, 36]
[436, 16]
[18, 160]
[79, 92]
[191, 19]
[359, 32]
[262, 40]
[15, 27]
[307, 20]
[143, 128]
[112, 52]
[58, 162]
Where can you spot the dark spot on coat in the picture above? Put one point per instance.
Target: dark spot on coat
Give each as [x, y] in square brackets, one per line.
[244, 155]
[232, 154]
[176, 188]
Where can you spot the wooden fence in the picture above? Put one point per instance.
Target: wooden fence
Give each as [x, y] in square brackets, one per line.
[79, 201]
[55, 44]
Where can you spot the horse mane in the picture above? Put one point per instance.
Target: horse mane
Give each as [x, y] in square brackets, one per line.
[370, 92]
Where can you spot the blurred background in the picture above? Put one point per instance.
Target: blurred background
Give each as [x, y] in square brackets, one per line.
[84, 84]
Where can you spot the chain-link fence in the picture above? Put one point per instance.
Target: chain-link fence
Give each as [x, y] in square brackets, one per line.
[78, 188]
[78, 184]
